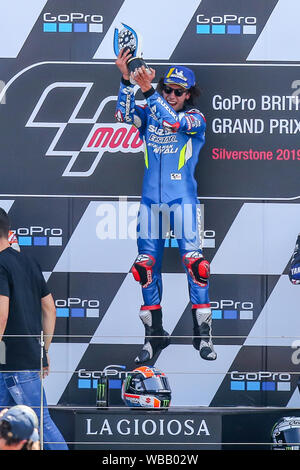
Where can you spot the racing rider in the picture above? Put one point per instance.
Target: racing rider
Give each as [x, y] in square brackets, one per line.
[173, 132]
[294, 270]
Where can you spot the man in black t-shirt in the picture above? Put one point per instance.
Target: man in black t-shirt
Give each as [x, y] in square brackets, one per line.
[26, 309]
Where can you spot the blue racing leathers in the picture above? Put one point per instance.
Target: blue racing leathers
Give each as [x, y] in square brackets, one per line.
[294, 270]
[172, 142]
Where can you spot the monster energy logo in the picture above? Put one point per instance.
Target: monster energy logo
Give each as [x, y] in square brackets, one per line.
[102, 392]
[128, 378]
[165, 403]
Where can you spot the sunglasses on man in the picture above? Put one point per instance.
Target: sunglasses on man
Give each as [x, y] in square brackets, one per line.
[177, 92]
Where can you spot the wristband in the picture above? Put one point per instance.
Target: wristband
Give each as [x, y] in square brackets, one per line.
[149, 92]
[125, 82]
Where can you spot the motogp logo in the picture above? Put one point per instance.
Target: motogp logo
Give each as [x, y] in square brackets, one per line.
[103, 137]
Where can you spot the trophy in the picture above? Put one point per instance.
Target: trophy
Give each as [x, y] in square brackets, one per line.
[127, 38]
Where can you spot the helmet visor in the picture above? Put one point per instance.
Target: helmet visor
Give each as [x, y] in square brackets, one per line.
[156, 384]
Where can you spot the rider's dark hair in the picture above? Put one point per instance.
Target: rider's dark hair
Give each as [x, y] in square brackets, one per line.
[194, 91]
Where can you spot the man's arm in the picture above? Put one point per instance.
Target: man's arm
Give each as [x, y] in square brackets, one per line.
[4, 300]
[48, 321]
[4, 308]
[126, 110]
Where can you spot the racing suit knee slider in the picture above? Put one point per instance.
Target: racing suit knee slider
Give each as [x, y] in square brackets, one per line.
[197, 266]
[142, 269]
